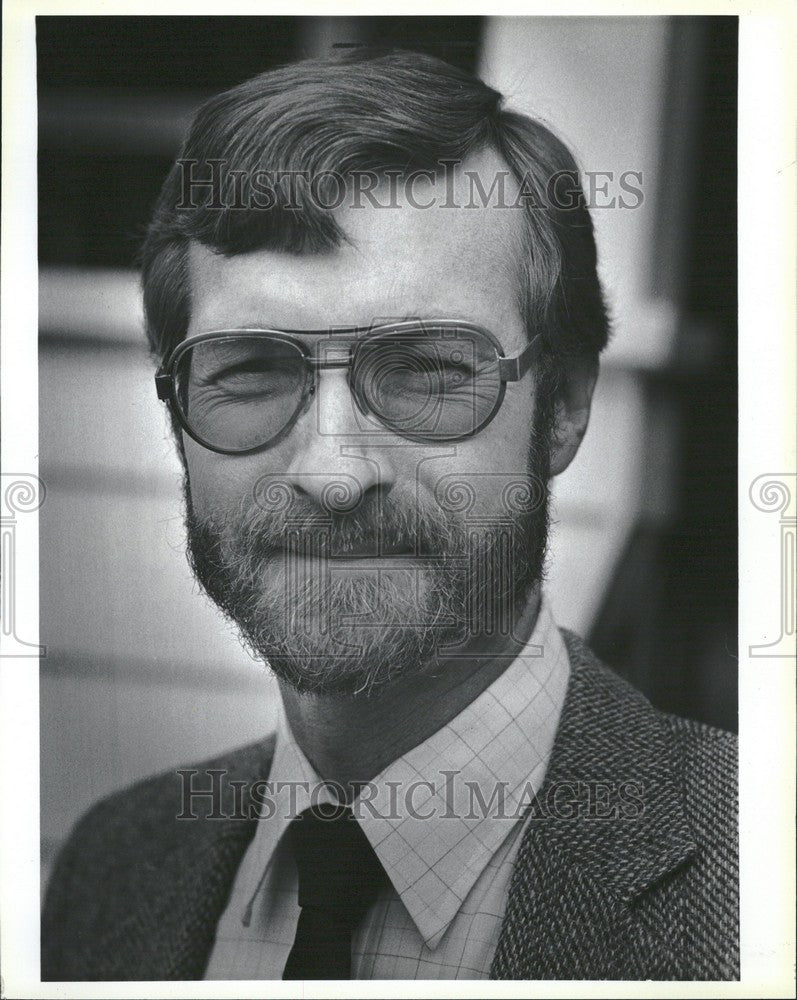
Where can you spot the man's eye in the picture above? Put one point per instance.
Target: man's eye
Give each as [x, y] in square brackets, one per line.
[252, 367]
[452, 372]
[246, 368]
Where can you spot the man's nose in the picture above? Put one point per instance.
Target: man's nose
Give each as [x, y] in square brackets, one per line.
[335, 457]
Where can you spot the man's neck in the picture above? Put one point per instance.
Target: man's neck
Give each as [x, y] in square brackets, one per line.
[351, 740]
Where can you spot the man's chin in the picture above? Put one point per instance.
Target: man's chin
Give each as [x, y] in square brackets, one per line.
[354, 636]
[363, 663]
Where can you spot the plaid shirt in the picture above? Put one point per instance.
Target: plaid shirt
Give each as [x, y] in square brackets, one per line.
[445, 821]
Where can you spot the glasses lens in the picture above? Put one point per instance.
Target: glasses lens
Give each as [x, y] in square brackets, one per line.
[438, 383]
[238, 393]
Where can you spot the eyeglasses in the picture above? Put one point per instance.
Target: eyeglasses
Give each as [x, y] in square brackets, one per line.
[236, 391]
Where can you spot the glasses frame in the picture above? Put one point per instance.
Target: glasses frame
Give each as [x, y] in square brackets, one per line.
[509, 370]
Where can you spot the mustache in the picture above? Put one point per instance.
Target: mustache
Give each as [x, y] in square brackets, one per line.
[383, 526]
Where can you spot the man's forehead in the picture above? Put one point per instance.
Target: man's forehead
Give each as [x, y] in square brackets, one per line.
[457, 256]
[463, 209]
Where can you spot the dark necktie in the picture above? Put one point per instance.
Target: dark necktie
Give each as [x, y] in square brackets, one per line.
[339, 877]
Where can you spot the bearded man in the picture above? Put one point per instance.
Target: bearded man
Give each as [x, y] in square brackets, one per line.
[373, 298]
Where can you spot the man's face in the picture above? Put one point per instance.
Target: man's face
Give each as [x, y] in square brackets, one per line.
[346, 554]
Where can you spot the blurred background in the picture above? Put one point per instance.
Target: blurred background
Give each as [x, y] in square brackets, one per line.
[141, 673]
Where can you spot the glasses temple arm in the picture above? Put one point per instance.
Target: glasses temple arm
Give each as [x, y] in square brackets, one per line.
[163, 384]
[513, 369]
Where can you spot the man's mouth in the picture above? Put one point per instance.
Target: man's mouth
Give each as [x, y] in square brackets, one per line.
[350, 552]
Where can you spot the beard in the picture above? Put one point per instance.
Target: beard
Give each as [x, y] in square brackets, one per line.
[343, 600]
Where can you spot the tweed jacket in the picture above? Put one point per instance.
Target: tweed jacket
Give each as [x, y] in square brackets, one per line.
[631, 875]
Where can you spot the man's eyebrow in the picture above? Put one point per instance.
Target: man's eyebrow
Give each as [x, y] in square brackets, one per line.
[429, 319]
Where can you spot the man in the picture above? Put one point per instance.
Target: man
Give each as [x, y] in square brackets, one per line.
[373, 298]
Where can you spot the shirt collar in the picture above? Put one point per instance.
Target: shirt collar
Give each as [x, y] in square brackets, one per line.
[437, 815]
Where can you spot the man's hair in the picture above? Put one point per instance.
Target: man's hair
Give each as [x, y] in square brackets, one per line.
[400, 112]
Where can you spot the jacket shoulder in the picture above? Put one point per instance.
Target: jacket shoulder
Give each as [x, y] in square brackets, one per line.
[708, 776]
[130, 838]
[709, 780]
[711, 750]
[144, 813]
[704, 759]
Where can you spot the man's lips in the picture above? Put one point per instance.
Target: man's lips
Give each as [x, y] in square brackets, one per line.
[348, 552]
[324, 548]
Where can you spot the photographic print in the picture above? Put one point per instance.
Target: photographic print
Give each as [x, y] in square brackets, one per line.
[388, 498]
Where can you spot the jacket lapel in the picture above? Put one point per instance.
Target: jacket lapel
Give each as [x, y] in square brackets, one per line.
[608, 823]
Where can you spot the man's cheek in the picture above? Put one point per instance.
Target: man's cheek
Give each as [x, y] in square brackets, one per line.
[217, 485]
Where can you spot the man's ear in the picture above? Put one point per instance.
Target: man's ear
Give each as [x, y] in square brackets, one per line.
[572, 414]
